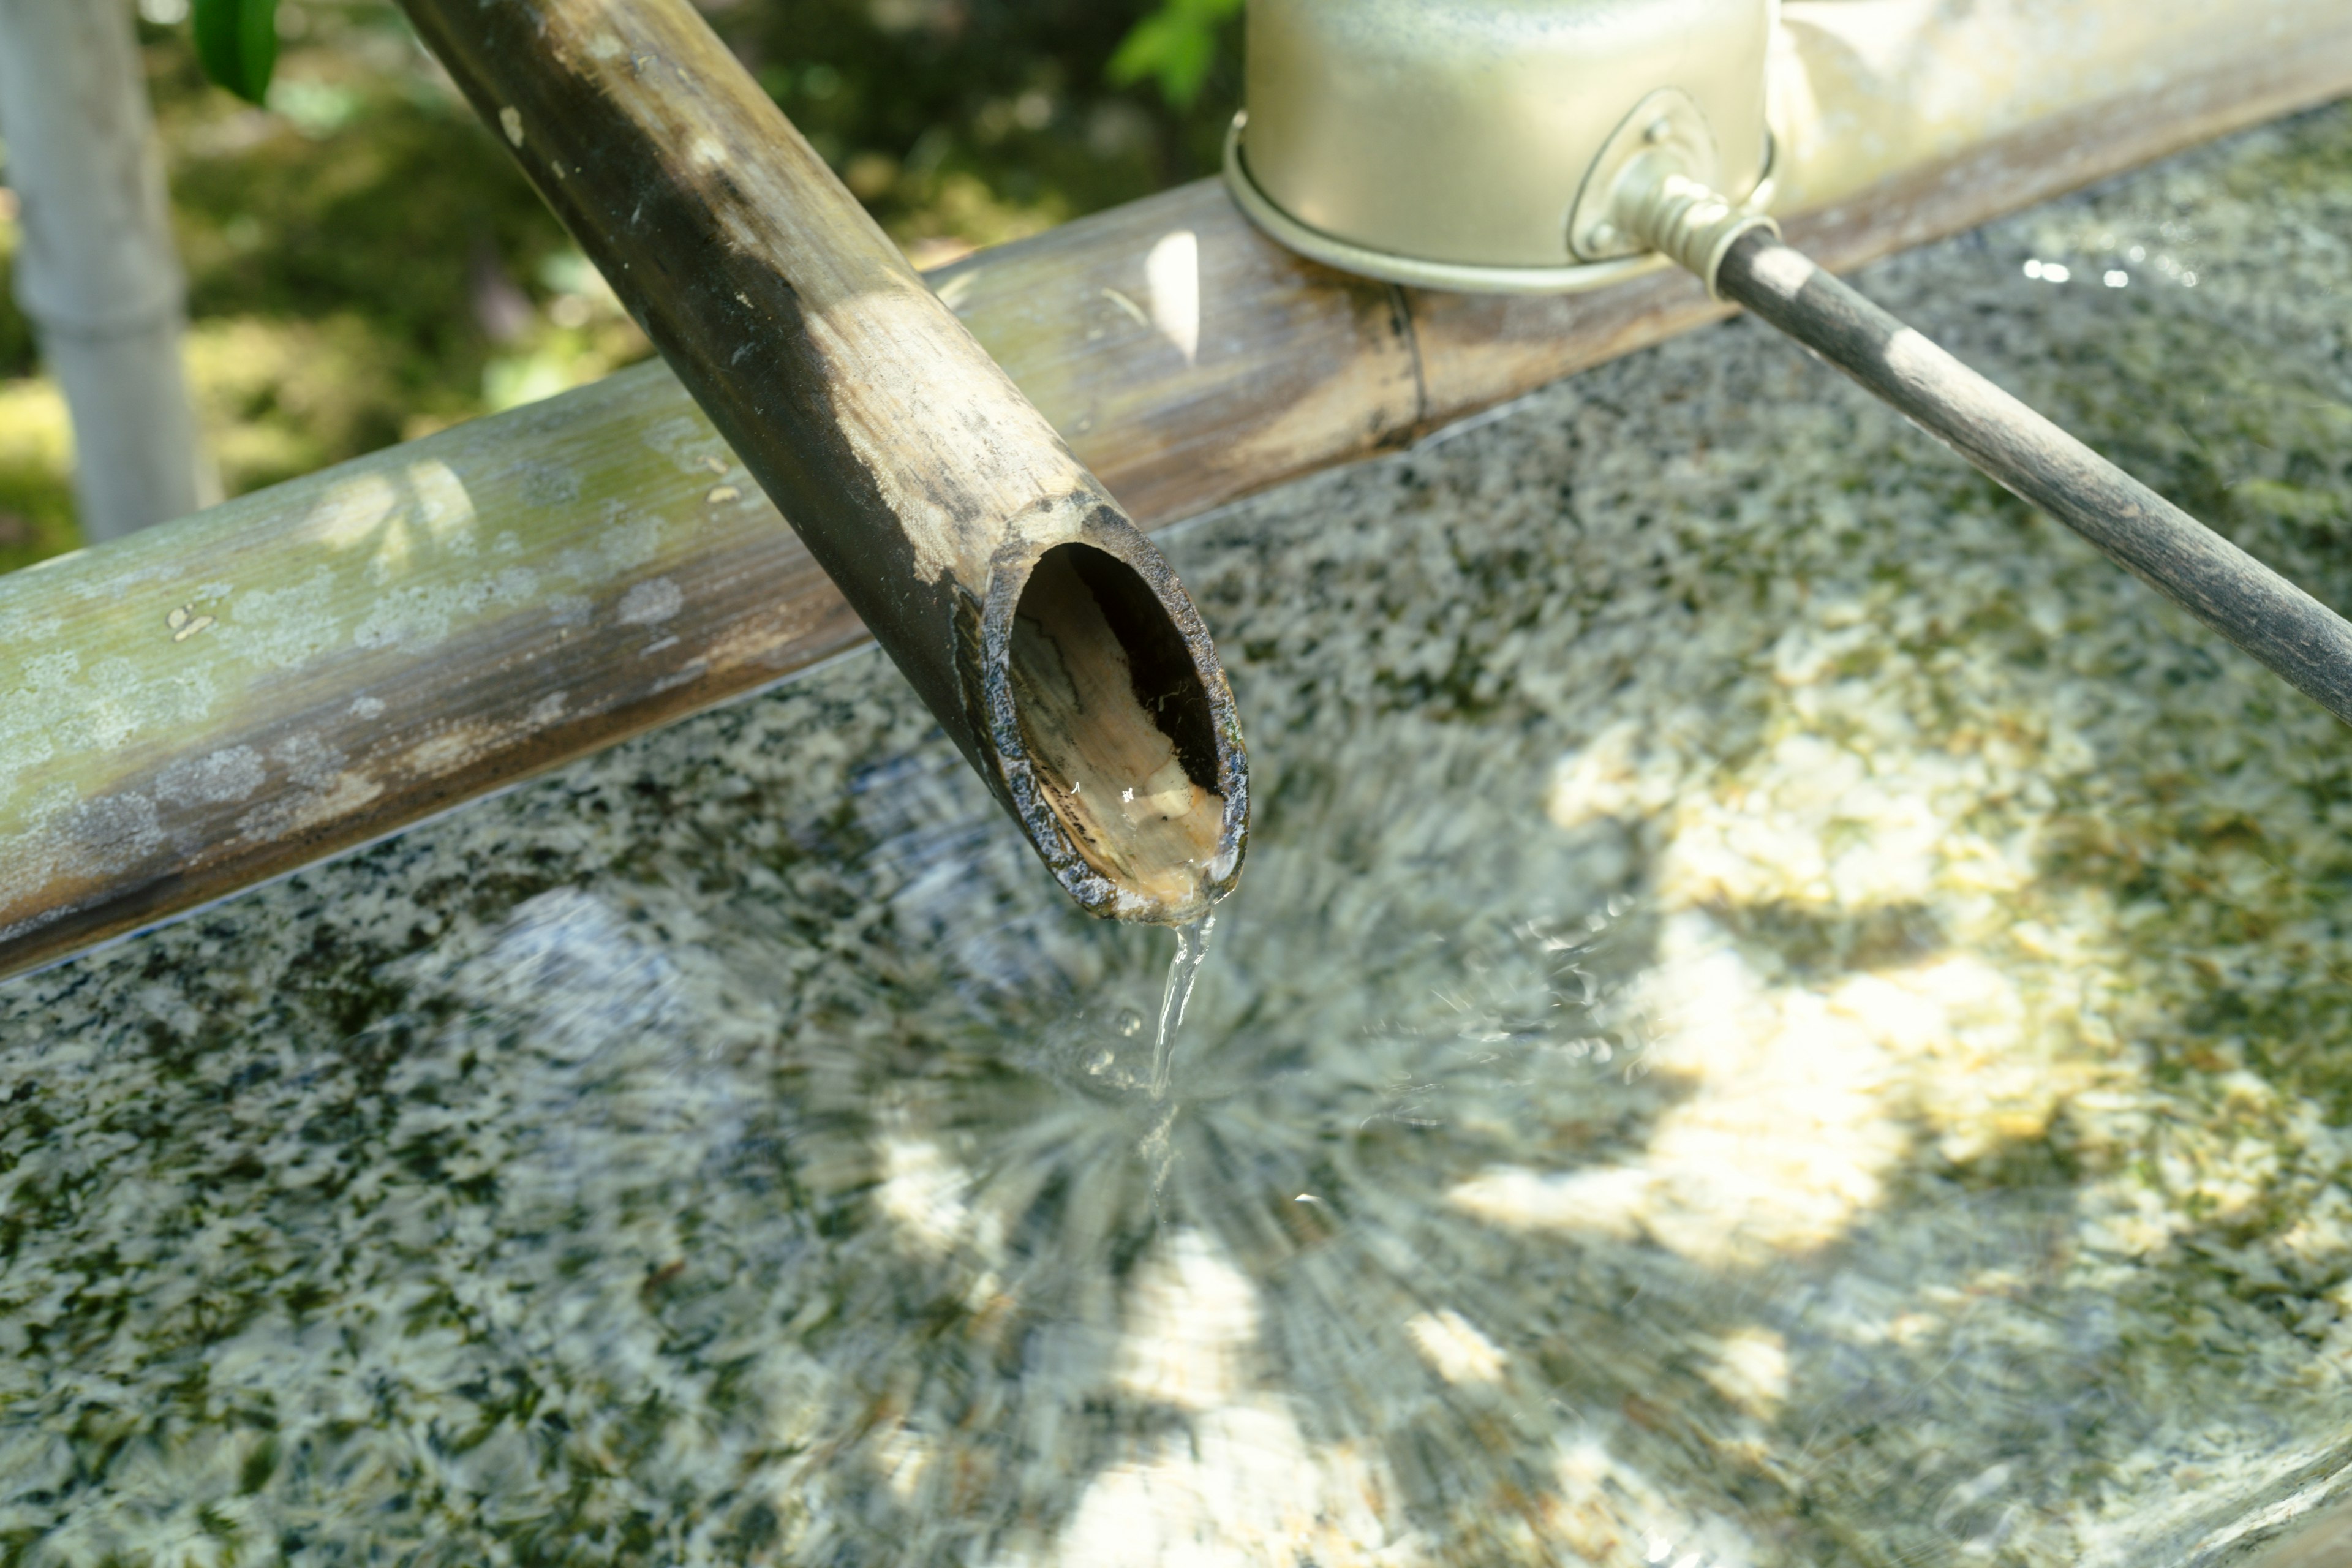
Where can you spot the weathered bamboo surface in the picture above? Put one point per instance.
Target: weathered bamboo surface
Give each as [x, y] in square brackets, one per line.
[244, 691]
[929, 489]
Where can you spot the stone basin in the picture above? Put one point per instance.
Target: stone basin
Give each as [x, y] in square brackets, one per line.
[1783, 1012]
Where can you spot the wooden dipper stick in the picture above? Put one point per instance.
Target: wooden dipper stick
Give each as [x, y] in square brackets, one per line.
[1044, 631]
[2301, 639]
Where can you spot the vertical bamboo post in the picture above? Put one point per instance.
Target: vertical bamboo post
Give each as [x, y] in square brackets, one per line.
[1042, 627]
[98, 274]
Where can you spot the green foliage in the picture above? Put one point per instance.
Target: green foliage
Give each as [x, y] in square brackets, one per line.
[977, 121]
[1174, 47]
[237, 41]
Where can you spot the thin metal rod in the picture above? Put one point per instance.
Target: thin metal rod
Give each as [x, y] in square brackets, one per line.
[2297, 637]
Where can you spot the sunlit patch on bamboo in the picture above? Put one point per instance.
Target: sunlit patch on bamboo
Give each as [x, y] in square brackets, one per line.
[1173, 271]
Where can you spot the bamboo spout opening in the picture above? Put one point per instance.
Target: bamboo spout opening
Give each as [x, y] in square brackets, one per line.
[1118, 723]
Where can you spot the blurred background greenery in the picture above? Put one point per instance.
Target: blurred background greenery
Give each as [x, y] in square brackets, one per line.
[365, 265]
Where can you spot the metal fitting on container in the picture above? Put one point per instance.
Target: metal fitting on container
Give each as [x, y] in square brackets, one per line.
[1692, 224]
[1451, 146]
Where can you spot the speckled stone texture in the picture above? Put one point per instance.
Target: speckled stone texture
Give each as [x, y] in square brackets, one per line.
[1783, 1013]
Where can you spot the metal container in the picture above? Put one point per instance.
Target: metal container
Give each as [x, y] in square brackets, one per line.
[1444, 142]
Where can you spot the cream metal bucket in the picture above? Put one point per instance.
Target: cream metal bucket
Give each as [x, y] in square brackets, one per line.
[1447, 144]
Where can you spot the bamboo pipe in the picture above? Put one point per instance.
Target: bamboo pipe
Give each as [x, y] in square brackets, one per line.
[1046, 633]
[241, 693]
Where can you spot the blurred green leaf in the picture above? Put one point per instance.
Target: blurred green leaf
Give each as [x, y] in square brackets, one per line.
[1174, 47]
[236, 42]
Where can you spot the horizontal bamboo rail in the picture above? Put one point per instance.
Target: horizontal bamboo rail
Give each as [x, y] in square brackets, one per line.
[226, 698]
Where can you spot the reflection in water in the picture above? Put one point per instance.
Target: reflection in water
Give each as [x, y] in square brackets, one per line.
[1780, 1015]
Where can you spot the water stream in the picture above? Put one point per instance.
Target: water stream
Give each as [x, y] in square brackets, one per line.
[1176, 995]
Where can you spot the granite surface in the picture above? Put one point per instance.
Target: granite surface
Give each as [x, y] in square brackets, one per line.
[1782, 1012]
